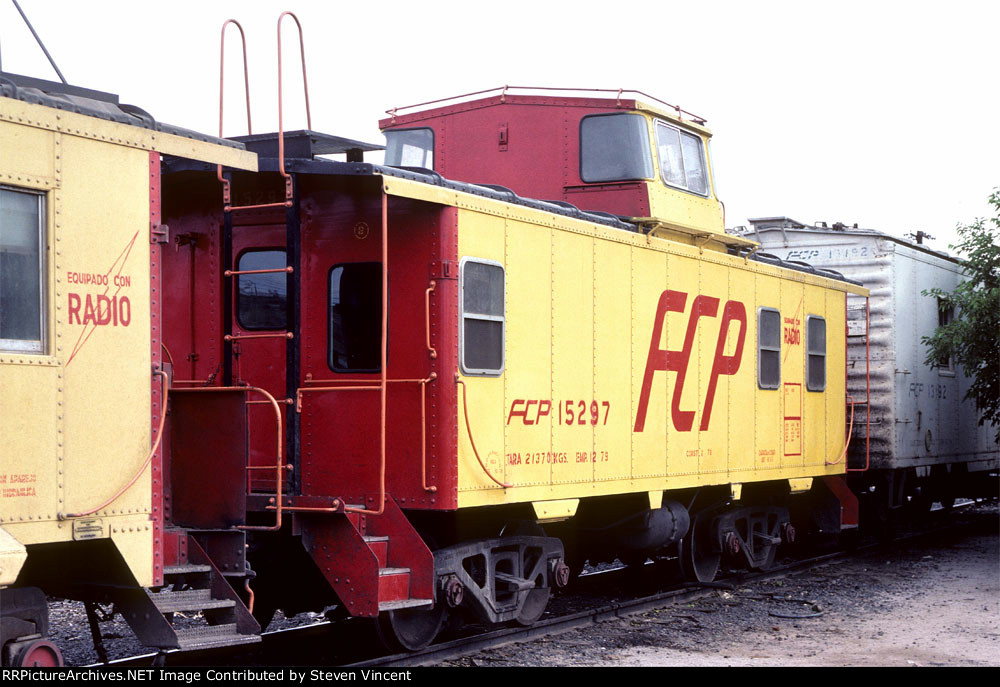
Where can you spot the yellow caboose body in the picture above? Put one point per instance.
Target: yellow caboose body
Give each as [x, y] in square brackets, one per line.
[79, 335]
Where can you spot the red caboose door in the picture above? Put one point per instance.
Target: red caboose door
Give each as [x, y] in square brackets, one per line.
[259, 331]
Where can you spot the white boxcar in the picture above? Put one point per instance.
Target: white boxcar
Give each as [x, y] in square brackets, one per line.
[925, 440]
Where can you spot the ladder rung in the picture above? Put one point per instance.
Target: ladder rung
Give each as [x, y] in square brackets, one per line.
[230, 273]
[276, 335]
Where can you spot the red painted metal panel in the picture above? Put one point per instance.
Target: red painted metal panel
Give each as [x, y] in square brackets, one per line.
[157, 405]
[848, 500]
[208, 468]
[192, 299]
[175, 547]
[340, 448]
[381, 550]
[467, 147]
[344, 559]
[394, 587]
[406, 550]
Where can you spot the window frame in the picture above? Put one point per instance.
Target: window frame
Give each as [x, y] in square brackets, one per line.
[329, 323]
[761, 347]
[37, 346]
[706, 173]
[945, 315]
[236, 288]
[649, 150]
[433, 148]
[462, 315]
[809, 353]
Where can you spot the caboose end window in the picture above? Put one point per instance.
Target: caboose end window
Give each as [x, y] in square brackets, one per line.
[410, 148]
[22, 271]
[682, 159]
[768, 348]
[815, 353]
[481, 337]
[262, 299]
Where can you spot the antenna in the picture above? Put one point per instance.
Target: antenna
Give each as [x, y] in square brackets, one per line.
[39, 41]
[919, 237]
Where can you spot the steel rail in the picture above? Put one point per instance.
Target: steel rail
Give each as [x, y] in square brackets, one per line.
[291, 639]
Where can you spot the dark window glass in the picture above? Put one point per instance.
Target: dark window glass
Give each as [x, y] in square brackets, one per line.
[410, 148]
[768, 348]
[946, 313]
[356, 317]
[21, 231]
[262, 299]
[614, 148]
[483, 344]
[482, 318]
[816, 353]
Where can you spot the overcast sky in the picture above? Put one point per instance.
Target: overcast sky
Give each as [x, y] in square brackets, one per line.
[880, 113]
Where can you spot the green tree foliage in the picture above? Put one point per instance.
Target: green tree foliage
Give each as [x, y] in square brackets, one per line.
[972, 338]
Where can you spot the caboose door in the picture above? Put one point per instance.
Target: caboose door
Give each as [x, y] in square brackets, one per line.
[259, 336]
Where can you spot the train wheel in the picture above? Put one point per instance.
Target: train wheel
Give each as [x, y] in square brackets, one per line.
[698, 560]
[410, 629]
[537, 599]
[534, 606]
[37, 653]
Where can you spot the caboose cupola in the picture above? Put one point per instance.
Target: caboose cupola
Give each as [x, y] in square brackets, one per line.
[646, 162]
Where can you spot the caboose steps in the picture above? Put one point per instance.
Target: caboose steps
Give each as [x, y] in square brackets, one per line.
[195, 608]
[188, 600]
[373, 561]
[380, 547]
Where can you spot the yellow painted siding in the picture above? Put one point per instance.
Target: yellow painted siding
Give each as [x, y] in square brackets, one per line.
[581, 311]
[75, 419]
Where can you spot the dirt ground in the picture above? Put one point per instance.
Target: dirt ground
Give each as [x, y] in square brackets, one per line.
[932, 603]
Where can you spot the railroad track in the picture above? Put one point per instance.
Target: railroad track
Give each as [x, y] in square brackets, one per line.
[342, 643]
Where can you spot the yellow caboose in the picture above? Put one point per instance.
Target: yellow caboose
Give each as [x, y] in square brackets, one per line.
[80, 236]
[632, 384]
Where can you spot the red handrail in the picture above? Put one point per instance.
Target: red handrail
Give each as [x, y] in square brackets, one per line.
[868, 390]
[226, 191]
[281, 124]
[503, 93]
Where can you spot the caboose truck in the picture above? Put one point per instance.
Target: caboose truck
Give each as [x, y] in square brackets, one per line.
[390, 393]
[477, 386]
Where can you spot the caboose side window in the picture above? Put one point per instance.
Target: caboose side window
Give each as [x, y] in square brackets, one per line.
[682, 160]
[815, 353]
[262, 299]
[410, 148]
[614, 148]
[356, 317]
[22, 254]
[946, 313]
[768, 348]
[481, 283]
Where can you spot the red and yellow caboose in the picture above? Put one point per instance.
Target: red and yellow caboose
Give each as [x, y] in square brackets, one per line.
[388, 391]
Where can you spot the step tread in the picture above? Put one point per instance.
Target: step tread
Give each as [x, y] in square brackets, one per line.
[188, 600]
[393, 571]
[373, 538]
[186, 569]
[209, 636]
[404, 603]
